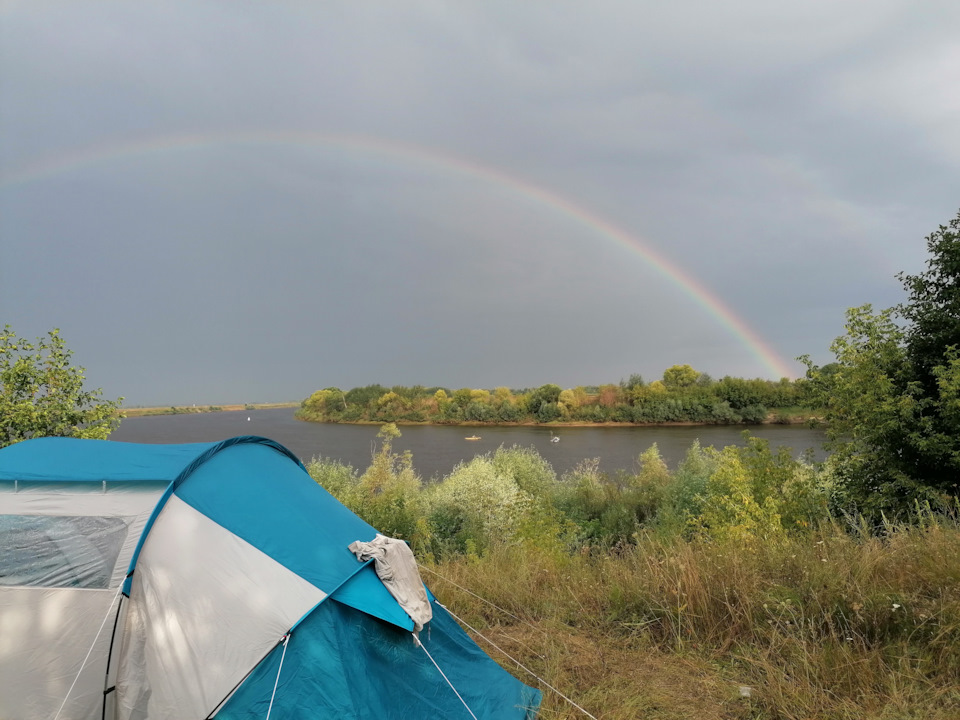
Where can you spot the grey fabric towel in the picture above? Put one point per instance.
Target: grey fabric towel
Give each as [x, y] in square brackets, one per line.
[397, 569]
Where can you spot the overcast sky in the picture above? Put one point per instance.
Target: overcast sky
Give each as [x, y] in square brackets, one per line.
[234, 202]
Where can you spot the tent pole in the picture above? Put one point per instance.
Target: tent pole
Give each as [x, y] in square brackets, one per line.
[106, 674]
[286, 639]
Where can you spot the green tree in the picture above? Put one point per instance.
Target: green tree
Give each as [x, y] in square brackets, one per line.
[443, 402]
[740, 392]
[324, 403]
[462, 397]
[893, 399]
[932, 310]
[679, 376]
[872, 409]
[568, 399]
[814, 386]
[392, 406]
[365, 397]
[542, 397]
[42, 394]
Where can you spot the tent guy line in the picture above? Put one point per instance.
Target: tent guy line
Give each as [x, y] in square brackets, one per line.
[89, 652]
[517, 662]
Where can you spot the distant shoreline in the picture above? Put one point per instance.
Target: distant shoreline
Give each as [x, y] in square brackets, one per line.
[198, 409]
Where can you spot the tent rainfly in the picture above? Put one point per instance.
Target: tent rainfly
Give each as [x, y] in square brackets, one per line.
[153, 582]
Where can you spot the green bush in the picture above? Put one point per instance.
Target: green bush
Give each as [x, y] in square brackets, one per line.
[388, 494]
[753, 414]
[684, 497]
[334, 476]
[594, 507]
[527, 468]
[477, 505]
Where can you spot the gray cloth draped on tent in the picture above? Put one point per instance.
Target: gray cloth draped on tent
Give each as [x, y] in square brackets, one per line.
[397, 568]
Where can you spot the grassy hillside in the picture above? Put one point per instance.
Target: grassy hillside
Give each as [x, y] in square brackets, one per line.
[830, 624]
[730, 588]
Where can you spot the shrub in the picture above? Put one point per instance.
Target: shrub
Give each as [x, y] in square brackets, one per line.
[388, 494]
[476, 506]
[684, 497]
[753, 414]
[334, 476]
[527, 468]
[594, 507]
[731, 509]
[722, 413]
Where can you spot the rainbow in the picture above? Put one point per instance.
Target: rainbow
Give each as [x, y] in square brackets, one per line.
[432, 159]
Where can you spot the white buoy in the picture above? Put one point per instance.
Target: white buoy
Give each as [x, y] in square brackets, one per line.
[248, 419]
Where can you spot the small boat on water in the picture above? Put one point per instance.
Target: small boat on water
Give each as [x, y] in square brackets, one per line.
[472, 437]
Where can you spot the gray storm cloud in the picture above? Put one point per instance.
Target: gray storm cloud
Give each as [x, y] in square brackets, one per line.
[788, 160]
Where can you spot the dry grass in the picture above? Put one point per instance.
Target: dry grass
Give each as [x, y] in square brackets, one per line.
[615, 678]
[831, 624]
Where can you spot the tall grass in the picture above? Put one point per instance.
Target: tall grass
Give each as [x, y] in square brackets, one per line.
[663, 594]
[830, 624]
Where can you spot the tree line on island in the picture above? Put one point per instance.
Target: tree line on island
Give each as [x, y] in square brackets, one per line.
[682, 395]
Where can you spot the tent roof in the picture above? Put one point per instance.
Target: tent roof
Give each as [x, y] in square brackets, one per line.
[56, 459]
[269, 501]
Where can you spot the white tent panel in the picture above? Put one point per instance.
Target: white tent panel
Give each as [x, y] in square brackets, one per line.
[68, 500]
[205, 606]
[45, 633]
[64, 556]
[133, 507]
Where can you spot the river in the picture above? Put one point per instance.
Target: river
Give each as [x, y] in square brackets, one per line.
[437, 449]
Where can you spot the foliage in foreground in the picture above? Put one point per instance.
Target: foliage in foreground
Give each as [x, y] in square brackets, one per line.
[42, 394]
[659, 593]
[513, 495]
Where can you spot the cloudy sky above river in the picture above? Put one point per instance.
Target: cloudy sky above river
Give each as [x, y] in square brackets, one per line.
[236, 202]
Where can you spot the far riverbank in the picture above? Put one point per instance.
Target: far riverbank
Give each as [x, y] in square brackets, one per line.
[197, 409]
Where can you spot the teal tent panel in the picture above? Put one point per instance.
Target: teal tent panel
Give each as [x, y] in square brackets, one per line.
[56, 459]
[267, 499]
[365, 591]
[343, 664]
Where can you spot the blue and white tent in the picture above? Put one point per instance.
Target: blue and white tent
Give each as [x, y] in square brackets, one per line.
[210, 580]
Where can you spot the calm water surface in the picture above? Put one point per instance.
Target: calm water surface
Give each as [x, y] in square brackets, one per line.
[437, 449]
